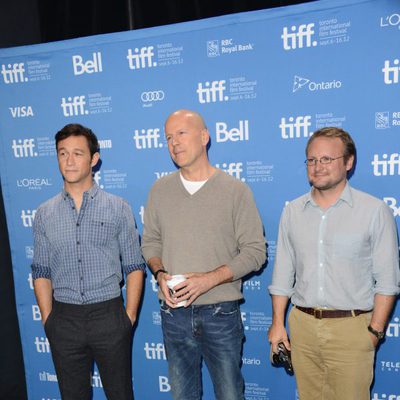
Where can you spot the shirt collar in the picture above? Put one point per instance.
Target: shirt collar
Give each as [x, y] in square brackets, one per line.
[92, 192]
[345, 196]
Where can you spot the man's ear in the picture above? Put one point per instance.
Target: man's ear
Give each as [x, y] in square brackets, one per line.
[95, 159]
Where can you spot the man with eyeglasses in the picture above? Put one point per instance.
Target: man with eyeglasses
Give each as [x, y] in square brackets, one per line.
[337, 260]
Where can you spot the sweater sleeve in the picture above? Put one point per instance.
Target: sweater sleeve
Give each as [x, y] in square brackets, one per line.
[151, 238]
[249, 236]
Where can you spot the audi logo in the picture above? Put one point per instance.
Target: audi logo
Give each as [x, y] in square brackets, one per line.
[152, 96]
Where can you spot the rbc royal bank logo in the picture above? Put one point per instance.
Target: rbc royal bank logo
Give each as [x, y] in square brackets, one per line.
[23, 148]
[147, 138]
[223, 134]
[141, 58]
[382, 120]
[299, 37]
[74, 106]
[13, 73]
[213, 48]
[90, 66]
[386, 164]
[391, 71]
[295, 127]
[212, 92]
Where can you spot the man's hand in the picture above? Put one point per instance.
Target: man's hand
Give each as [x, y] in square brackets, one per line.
[162, 279]
[277, 334]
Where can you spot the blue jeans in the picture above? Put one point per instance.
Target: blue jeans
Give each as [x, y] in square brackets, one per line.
[211, 332]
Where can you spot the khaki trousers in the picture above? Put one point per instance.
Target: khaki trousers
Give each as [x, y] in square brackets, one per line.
[333, 358]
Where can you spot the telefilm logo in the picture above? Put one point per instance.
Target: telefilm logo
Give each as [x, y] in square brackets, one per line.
[13, 73]
[90, 66]
[27, 217]
[295, 127]
[390, 366]
[390, 21]
[73, 106]
[392, 203]
[300, 82]
[147, 138]
[212, 92]
[154, 351]
[386, 164]
[45, 376]
[299, 37]
[391, 71]
[239, 134]
[21, 111]
[234, 169]
[141, 58]
[23, 148]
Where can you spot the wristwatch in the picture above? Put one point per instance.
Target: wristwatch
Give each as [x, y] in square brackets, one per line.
[379, 335]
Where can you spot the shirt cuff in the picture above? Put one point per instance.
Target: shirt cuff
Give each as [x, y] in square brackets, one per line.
[40, 271]
[133, 267]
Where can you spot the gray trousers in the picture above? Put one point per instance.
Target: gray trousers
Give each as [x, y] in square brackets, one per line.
[81, 334]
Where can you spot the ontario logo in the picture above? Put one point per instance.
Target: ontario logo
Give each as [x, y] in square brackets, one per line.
[301, 82]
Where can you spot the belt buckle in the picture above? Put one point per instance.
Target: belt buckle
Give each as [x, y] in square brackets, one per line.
[317, 313]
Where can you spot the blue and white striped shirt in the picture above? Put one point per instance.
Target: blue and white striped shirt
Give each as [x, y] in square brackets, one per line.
[85, 254]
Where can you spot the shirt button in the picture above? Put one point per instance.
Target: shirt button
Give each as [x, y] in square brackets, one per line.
[79, 260]
[323, 217]
[77, 224]
[73, 207]
[78, 242]
[321, 289]
[321, 241]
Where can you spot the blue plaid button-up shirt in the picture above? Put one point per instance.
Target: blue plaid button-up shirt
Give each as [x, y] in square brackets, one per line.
[85, 254]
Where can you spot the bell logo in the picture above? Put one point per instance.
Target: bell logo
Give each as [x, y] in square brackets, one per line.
[24, 148]
[223, 134]
[392, 203]
[211, 92]
[391, 73]
[73, 106]
[141, 58]
[13, 73]
[163, 384]
[299, 37]
[20, 112]
[296, 127]
[89, 67]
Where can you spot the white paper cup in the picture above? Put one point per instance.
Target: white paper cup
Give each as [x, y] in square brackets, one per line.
[172, 283]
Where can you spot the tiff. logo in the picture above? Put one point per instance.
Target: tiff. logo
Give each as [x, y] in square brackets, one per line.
[23, 148]
[14, 73]
[389, 165]
[141, 58]
[27, 217]
[147, 138]
[299, 37]
[296, 127]
[211, 92]
[72, 106]
[391, 73]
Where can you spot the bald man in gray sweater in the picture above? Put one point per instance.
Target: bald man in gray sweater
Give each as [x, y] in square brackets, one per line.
[203, 224]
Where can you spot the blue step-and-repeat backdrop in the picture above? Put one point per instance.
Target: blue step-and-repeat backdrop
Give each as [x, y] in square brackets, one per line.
[264, 81]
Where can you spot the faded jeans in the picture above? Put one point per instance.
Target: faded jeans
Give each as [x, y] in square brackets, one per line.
[213, 332]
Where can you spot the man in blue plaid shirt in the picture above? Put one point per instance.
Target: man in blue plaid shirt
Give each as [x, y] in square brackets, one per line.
[85, 241]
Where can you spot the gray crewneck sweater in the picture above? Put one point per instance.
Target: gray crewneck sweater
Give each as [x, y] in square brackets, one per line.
[217, 225]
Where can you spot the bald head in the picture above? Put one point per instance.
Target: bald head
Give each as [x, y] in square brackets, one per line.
[192, 117]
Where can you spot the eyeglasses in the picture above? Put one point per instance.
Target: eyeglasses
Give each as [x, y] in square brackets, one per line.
[310, 162]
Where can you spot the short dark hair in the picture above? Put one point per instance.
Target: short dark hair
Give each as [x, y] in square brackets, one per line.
[79, 130]
[334, 132]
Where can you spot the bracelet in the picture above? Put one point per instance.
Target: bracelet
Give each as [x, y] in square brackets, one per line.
[158, 271]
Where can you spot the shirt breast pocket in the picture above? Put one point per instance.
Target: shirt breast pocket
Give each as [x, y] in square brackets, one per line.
[348, 246]
[102, 232]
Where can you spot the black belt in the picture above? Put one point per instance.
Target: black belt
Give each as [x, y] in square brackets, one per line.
[321, 313]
